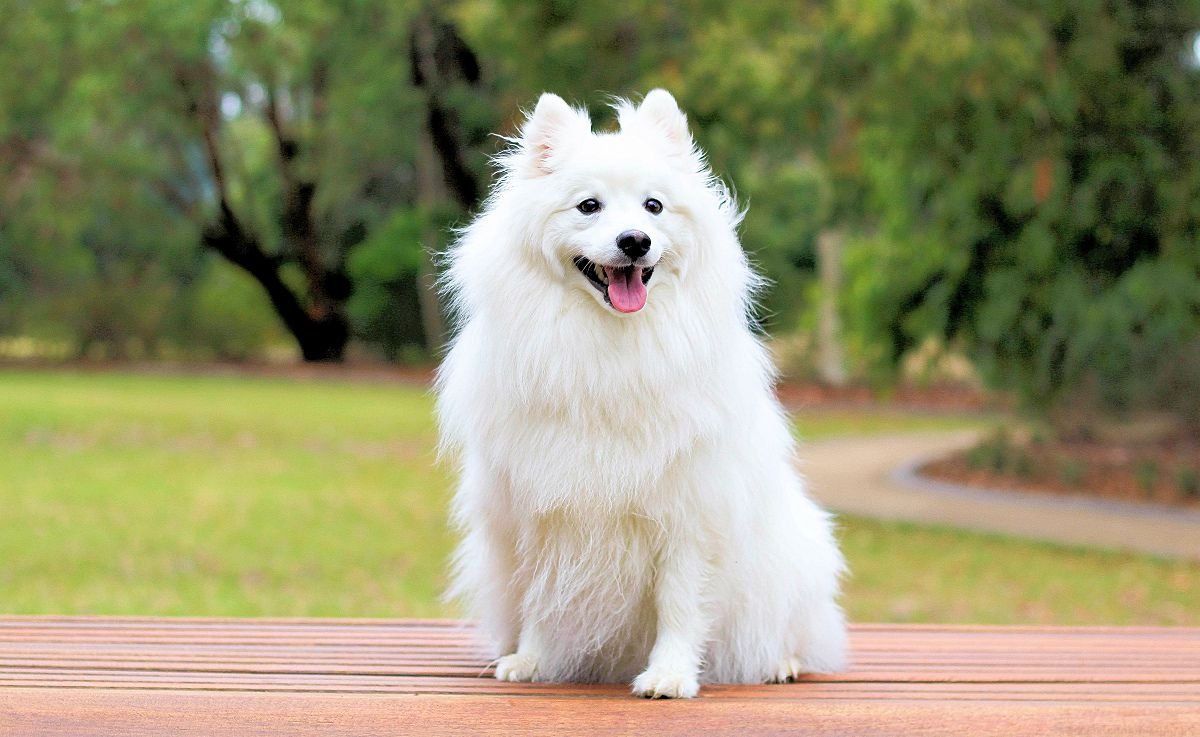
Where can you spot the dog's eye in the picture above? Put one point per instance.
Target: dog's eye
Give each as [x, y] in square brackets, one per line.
[652, 206]
[589, 206]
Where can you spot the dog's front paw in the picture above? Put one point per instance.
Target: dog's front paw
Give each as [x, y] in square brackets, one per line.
[659, 682]
[517, 667]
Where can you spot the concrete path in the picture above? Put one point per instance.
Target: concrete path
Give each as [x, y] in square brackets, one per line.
[873, 477]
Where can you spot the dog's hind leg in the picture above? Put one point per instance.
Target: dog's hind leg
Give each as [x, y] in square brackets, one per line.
[486, 561]
[824, 649]
[816, 618]
[823, 643]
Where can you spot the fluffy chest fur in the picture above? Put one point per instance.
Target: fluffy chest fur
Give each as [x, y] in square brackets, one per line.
[583, 414]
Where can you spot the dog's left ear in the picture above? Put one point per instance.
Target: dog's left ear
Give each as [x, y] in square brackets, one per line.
[660, 112]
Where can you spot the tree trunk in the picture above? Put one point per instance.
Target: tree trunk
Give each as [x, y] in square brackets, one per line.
[440, 59]
[318, 323]
[831, 360]
[320, 337]
[325, 329]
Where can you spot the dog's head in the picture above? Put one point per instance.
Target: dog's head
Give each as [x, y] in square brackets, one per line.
[621, 210]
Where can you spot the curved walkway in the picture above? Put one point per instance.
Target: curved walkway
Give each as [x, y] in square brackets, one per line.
[873, 477]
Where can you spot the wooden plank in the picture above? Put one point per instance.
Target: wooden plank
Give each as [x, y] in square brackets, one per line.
[1169, 693]
[137, 713]
[401, 649]
[66, 675]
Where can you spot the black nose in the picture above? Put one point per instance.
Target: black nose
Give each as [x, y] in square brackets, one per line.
[633, 243]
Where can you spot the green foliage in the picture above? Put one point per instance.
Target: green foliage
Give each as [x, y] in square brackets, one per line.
[1188, 481]
[995, 453]
[161, 116]
[1036, 191]
[1072, 472]
[385, 269]
[229, 318]
[751, 78]
[1022, 464]
[1018, 179]
[1146, 472]
[998, 453]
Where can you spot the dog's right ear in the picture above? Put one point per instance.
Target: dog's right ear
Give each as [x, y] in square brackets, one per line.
[548, 132]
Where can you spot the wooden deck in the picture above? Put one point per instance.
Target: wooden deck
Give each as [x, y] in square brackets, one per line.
[108, 676]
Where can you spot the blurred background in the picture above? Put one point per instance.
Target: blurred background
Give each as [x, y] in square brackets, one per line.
[219, 222]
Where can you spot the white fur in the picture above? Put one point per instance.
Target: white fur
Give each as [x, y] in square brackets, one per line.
[628, 501]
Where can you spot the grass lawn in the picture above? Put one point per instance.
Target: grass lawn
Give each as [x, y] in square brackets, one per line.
[220, 495]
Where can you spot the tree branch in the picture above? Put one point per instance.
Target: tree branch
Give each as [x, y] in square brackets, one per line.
[286, 146]
[298, 225]
[225, 234]
[439, 58]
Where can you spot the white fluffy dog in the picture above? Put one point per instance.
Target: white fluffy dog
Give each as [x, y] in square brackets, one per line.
[628, 499]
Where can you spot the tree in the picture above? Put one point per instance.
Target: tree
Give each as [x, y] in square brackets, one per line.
[77, 225]
[741, 72]
[442, 64]
[294, 73]
[279, 136]
[1035, 168]
[1016, 179]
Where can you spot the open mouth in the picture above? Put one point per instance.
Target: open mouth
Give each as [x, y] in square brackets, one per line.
[623, 287]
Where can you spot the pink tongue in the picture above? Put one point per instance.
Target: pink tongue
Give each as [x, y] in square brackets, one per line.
[625, 288]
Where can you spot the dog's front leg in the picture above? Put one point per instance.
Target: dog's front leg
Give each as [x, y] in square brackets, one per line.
[683, 624]
[524, 663]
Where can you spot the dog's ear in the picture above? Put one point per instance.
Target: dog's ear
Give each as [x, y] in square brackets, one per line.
[660, 112]
[548, 131]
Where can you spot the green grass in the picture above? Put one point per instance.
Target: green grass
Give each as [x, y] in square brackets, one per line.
[909, 573]
[198, 495]
[173, 495]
